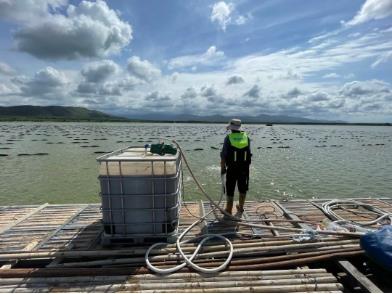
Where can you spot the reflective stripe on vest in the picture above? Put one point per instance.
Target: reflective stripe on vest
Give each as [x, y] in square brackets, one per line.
[238, 140]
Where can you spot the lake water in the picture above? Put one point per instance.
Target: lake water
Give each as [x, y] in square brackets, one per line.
[289, 161]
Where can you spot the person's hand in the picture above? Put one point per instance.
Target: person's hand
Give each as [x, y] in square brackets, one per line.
[223, 170]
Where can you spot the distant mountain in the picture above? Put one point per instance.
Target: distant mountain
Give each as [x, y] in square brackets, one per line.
[54, 113]
[69, 113]
[261, 118]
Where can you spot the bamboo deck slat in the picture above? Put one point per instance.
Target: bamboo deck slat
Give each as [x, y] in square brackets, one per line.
[51, 242]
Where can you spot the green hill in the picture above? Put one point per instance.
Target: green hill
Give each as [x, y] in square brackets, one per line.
[53, 113]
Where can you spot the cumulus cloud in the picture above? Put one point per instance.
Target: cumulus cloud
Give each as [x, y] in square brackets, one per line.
[236, 79]
[253, 92]
[105, 78]
[223, 14]
[99, 71]
[211, 94]
[157, 101]
[142, 69]
[209, 58]
[95, 76]
[45, 83]
[189, 94]
[111, 88]
[87, 88]
[8, 89]
[367, 96]
[318, 96]
[361, 88]
[5, 69]
[372, 10]
[295, 92]
[90, 29]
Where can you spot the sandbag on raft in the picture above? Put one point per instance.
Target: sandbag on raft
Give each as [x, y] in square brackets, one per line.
[378, 246]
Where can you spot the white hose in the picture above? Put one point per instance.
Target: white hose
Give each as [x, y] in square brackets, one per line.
[189, 260]
[328, 209]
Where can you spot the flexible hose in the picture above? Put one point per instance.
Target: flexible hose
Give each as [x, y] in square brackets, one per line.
[189, 260]
[328, 209]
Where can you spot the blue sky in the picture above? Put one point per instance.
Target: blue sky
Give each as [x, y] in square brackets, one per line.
[316, 59]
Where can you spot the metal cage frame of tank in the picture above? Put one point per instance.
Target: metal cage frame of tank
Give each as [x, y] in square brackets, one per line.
[154, 224]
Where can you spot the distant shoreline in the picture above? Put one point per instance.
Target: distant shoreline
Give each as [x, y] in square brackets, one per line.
[4, 119]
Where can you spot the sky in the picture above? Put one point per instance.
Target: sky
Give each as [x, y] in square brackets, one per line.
[314, 59]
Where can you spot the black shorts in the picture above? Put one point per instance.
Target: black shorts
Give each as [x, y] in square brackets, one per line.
[239, 176]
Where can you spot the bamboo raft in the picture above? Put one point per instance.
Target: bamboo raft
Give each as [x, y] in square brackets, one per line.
[56, 248]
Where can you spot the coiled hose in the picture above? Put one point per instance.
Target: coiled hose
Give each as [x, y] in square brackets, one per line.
[189, 260]
[329, 206]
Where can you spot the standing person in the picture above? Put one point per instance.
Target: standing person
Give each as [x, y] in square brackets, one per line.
[235, 162]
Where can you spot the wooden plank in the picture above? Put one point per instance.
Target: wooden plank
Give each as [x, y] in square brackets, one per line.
[8, 227]
[359, 277]
[290, 215]
[67, 221]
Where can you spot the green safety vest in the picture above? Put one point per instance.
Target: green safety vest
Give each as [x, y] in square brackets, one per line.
[239, 152]
[239, 140]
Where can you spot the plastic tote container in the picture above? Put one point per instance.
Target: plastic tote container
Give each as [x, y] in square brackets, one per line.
[140, 192]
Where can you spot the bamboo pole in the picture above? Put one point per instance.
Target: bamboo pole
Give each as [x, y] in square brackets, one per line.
[237, 252]
[258, 260]
[141, 251]
[203, 284]
[271, 289]
[323, 232]
[297, 262]
[140, 272]
[173, 259]
[155, 279]
[331, 287]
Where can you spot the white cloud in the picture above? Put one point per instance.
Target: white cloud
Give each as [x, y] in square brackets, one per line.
[295, 92]
[253, 92]
[236, 79]
[318, 96]
[332, 75]
[299, 63]
[372, 10]
[362, 88]
[90, 29]
[5, 69]
[142, 69]
[189, 94]
[99, 71]
[221, 13]
[46, 83]
[372, 96]
[209, 58]
[157, 101]
[28, 10]
[384, 58]
[224, 14]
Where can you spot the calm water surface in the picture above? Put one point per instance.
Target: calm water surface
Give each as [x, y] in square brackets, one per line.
[289, 161]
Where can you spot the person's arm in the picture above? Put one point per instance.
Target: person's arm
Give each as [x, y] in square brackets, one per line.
[250, 150]
[224, 156]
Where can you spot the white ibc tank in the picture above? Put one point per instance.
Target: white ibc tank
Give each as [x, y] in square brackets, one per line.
[140, 193]
[138, 162]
